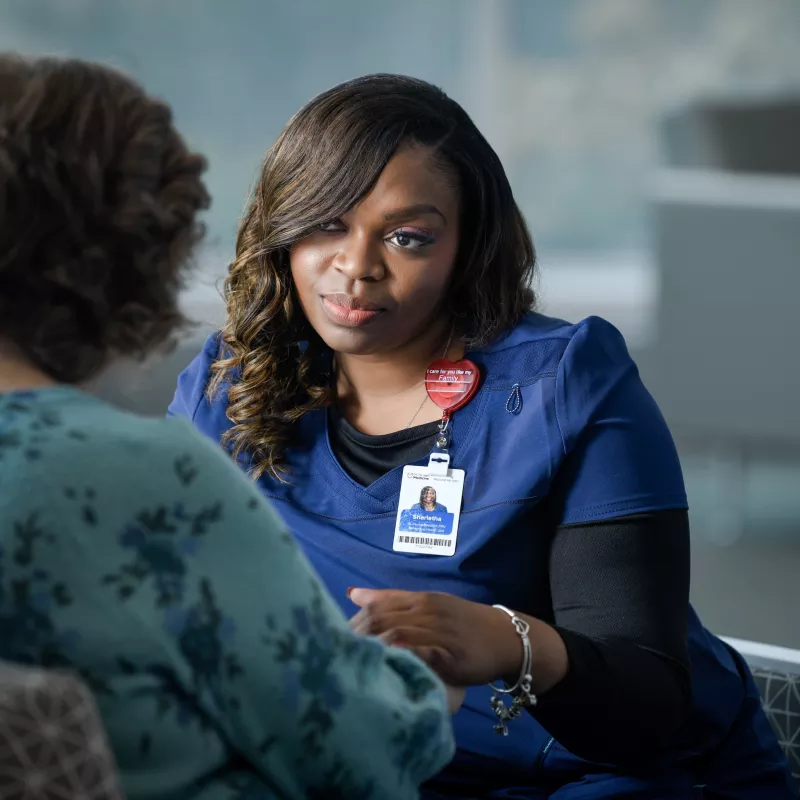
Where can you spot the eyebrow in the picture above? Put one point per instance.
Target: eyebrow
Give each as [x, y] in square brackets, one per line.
[412, 211]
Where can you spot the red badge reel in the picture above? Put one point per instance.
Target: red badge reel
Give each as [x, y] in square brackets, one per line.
[451, 385]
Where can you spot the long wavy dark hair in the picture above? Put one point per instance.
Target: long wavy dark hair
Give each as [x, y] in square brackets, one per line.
[328, 157]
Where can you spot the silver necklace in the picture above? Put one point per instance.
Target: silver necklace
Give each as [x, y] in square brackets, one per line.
[425, 399]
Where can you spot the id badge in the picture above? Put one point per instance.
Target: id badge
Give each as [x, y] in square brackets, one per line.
[429, 510]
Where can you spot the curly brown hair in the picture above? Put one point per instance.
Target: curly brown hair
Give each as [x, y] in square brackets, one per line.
[99, 198]
[328, 158]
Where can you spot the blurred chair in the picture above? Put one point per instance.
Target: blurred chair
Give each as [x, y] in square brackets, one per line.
[755, 136]
[52, 743]
[777, 674]
[728, 251]
[726, 213]
[724, 362]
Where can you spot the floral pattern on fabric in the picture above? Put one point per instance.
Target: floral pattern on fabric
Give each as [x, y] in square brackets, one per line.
[29, 602]
[308, 653]
[141, 592]
[160, 540]
[25, 426]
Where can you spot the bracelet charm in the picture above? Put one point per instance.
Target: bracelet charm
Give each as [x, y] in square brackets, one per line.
[522, 697]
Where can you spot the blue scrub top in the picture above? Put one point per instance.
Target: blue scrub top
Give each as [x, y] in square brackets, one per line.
[549, 390]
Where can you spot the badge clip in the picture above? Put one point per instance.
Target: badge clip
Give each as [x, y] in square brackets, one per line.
[439, 462]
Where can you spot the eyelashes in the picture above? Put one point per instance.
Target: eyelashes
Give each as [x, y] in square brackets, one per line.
[403, 238]
[411, 238]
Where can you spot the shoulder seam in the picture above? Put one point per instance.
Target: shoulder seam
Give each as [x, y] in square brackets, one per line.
[577, 328]
[555, 401]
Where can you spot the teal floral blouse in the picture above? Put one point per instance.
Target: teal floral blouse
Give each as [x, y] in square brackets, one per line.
[133, 551]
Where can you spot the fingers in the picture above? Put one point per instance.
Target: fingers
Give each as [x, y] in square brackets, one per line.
[411, 620]
[410, 636]
[436, 657]
[375, 619]
[392, 597]
[378, 608]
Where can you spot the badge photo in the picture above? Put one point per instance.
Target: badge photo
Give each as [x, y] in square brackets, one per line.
[428, 511]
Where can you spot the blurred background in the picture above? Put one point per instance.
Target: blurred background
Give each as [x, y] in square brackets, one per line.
[655, 150]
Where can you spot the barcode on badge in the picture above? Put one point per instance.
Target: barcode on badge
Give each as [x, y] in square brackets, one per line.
[425, 540]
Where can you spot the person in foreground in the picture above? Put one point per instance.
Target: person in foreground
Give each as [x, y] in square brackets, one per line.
[381, 246]
[131, 549]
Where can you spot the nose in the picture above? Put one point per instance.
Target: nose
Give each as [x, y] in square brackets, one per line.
[359, 258]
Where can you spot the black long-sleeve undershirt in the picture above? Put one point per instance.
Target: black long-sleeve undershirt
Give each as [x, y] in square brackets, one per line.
[620, 602]
[619, 591]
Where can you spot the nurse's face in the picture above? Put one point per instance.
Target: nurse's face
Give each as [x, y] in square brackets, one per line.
[374, 279]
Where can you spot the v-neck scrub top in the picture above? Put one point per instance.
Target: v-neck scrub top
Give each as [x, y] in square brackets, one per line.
[556, 400]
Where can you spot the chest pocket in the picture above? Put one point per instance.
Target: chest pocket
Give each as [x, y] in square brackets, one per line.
[516, 447]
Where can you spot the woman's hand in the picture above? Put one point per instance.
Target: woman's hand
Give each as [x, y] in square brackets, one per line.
[465, 643]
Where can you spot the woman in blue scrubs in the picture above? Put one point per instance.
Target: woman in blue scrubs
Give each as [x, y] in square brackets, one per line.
[383, 236]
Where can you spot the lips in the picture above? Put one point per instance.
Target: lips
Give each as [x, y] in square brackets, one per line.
[349, 311]
[351, 303]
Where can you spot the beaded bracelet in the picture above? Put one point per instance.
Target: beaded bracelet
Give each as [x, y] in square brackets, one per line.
[521, 690]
